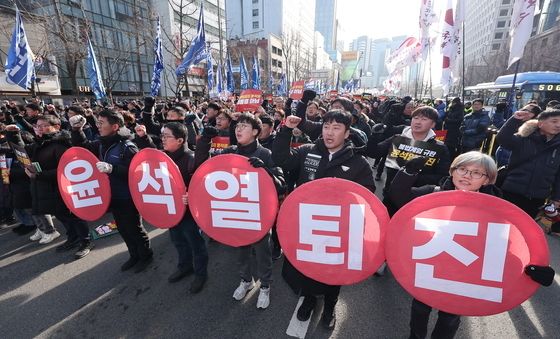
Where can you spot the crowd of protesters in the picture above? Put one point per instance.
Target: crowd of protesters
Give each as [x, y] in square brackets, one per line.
[281, 136]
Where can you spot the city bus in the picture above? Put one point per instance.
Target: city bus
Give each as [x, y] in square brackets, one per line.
[541, 87]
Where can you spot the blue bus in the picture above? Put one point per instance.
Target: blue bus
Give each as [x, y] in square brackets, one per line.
[541, 87]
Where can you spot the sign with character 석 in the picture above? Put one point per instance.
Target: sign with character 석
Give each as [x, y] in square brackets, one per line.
[157, 187]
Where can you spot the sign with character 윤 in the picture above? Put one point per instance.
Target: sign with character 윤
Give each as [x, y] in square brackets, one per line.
[84, 190]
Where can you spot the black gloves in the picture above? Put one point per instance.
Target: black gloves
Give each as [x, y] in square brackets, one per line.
[209, 132]
[256, 162]
[544, 275]
[308, 95]
[190, 118]
[379, 128]
[149, 103]
[414, 166]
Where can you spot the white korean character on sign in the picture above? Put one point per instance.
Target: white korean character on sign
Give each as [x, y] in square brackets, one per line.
[309, 224]
[161, 173]
[493, 258]
[243, 215]
[82, 191]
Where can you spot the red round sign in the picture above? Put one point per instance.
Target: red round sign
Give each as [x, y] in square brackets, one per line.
[333, 230]
[157, 187]
[464, 252]
[85, 190]
[231, 201]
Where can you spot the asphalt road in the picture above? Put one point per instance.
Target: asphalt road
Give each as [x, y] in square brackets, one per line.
[50, 295]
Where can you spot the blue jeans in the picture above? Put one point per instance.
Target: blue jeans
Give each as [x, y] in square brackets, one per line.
[190, 245]
[24, 216]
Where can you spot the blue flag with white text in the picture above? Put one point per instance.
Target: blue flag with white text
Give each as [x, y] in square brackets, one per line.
[94, 74]
[229, 75]
[197, 50]
[244, 75]
[158, 63]
[210, 67]
[20, 68]
[256, 76]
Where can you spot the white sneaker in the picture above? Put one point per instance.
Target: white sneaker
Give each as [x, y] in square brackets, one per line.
[37, 235]
[242, 290]
[264, 298]
[47, 238]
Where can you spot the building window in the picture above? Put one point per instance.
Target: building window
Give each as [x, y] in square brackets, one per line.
[501, 24]
[279, 51]
[495, 47]
[274, 63]
[503, 12]
[255, 24]
[274, 50]
[256, 12]
[506, 2]
[280, 64]
[255, 1]
[499, 35]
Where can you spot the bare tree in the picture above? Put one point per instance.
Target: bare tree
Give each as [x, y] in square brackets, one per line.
[178, 43]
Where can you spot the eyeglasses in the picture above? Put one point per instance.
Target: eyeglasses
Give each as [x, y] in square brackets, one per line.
[165, 136]
[474, 174]
[243, 126]
[43, 126]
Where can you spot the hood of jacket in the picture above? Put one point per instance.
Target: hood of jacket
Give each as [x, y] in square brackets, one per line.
[529, 127]
[407, 132]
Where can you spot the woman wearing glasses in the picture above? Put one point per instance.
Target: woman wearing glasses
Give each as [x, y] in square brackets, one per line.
[474, 172]
[471, 171]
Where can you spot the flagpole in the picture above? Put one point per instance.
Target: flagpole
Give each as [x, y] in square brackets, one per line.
[463, 76]
[512, 91]
[430, 61]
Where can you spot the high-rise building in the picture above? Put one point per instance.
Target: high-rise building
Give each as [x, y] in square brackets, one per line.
[363, 45]
[486, 34]
[292, 20]
[121, 33]
[380, 49]
[326, 23]
[545, 39]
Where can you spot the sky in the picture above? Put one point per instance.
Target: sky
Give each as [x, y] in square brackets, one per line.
[377, 18]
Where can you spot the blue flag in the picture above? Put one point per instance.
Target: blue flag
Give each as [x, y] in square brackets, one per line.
[210, 67]
[283, 86]
[337, 80]
[256, 75]
[94, 74]
[219, 80]
[197, 51]
[20, 69]
[158, 63]
[229, 75]
[243, 73]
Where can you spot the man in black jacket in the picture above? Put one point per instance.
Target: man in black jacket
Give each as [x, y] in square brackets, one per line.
[331, 156]
[423, 120]
[247, 129]
[115, 151]
[535, 159]
[50, 145]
